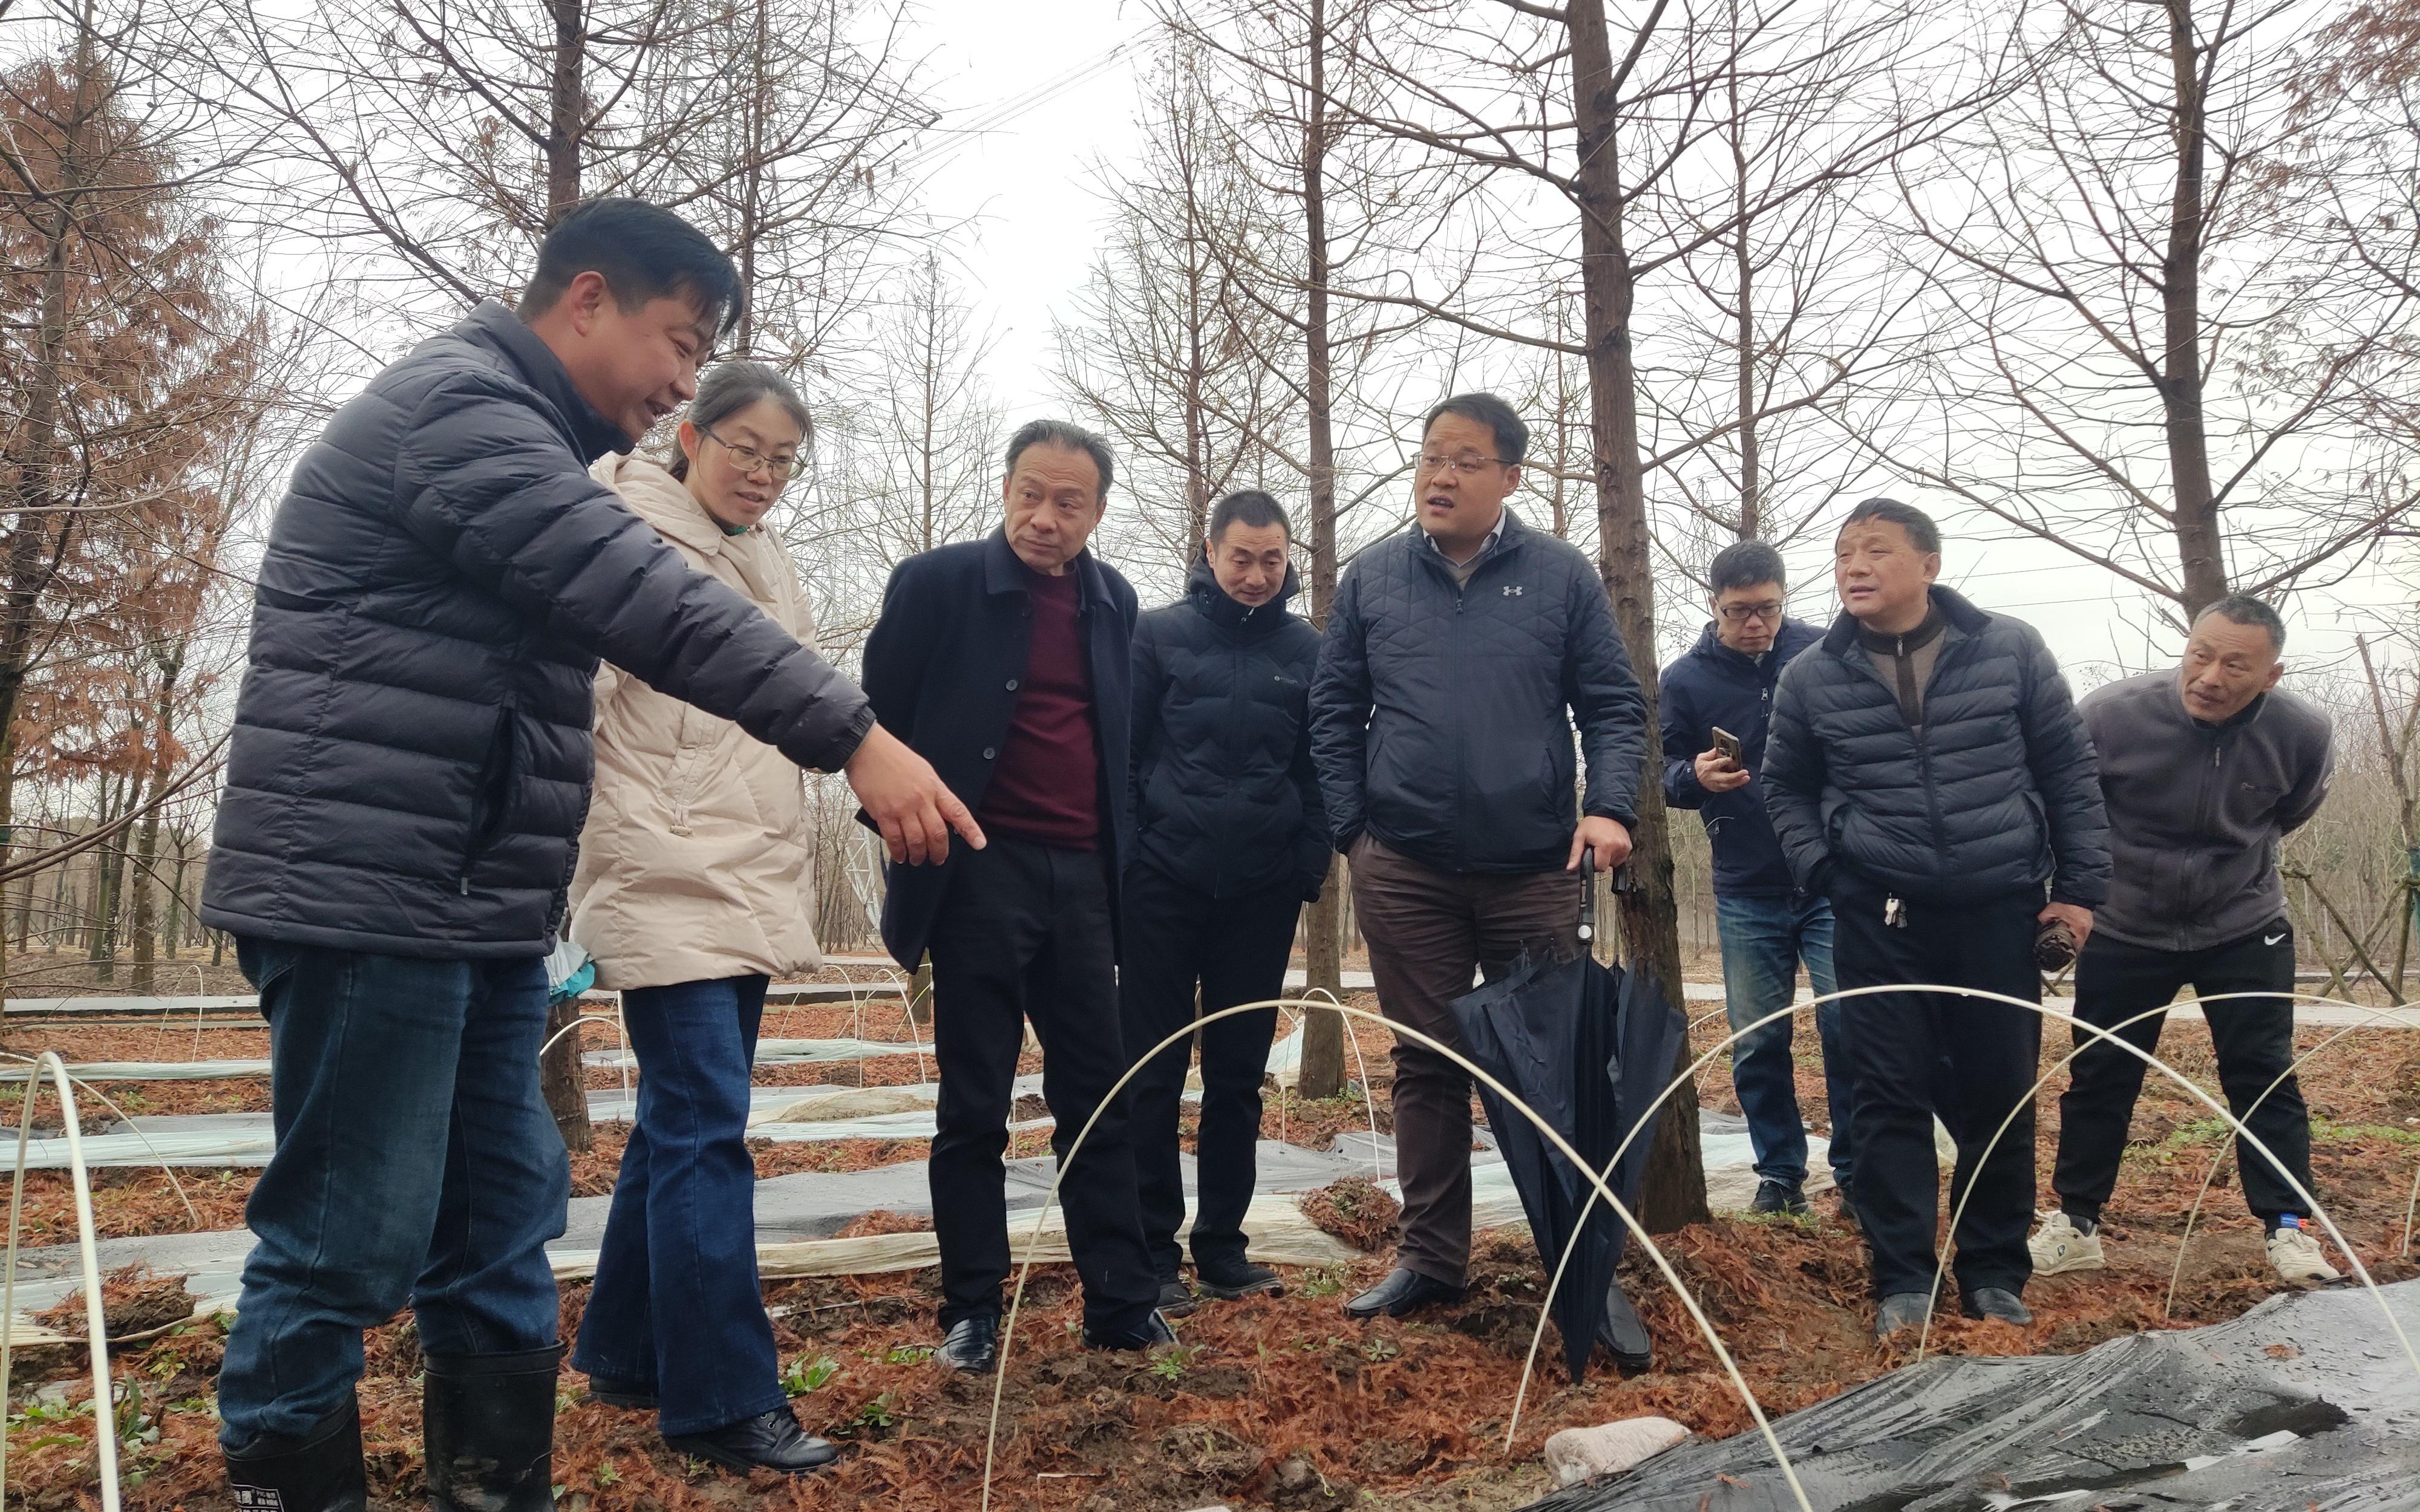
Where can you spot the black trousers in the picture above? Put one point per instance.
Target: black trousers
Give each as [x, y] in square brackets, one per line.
[2254, 1037]
[1968, 1061]
[1025, 931]
[1233, 950]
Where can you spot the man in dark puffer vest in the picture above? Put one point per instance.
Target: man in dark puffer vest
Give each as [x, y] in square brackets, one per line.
[1230, 840]
[1926, 770]
[409, 769]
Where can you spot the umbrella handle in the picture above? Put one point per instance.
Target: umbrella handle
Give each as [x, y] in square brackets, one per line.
[1587, 894]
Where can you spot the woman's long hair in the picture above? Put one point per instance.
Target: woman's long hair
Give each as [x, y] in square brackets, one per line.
[730, 387]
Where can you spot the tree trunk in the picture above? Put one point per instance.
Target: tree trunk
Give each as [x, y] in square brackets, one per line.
[2199, 548]
[565, 1080]
[1323, 957]
[174, 923]
[567, 108]
[147, 853]
[1674, 1194]
[559, 1072]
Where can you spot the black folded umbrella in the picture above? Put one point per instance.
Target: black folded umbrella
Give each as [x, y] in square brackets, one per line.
[1589, 1046]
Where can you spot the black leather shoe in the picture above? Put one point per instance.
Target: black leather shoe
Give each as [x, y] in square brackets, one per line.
[1778, 1197]
[1234, 1280]
[769, 1441]
[1403, 1293]
[1633, 1347]
[1997, 1303]
[319, 1471]
[1154, 1333]
[1901, 1310]
[972, 1345]
[1176, 1299]
[626, 1394]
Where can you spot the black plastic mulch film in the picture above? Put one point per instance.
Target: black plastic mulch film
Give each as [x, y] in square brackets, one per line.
[2307, 1403]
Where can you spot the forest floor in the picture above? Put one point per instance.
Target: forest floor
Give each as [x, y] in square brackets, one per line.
[1277, 1402]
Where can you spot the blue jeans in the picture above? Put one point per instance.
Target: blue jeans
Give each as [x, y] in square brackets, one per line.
[677, 1308]
[1765, 939]
[416, 1162]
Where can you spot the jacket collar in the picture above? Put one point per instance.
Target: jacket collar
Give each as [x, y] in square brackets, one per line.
[1201, 588]
[1507, 538]
[1955, 607]
[494, 326]
[1795, 637]
[1005, 571]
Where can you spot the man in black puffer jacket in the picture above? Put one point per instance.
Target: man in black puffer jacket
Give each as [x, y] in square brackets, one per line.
[1229, 843]
[408, 770]
[1927, 769]
[1459, 657]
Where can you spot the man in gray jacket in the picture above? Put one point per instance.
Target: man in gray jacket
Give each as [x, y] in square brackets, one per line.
[2203, 769]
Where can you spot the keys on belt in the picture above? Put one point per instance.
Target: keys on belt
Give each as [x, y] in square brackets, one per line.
[1894, 912]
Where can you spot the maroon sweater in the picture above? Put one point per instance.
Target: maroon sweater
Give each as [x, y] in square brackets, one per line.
[1046, 785]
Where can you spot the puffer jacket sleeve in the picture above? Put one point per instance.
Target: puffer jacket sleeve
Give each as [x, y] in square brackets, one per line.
[1678, 728]
[480, 480]
[1150, 691]
[1339, 713]
[1312, 849]
[1794, 775]
[1605, 702]
[2058, 752]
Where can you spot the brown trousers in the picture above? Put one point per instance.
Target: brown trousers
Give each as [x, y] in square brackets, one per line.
[1430, 932]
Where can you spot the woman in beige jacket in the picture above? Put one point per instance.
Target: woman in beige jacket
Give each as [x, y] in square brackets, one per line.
[694, 890]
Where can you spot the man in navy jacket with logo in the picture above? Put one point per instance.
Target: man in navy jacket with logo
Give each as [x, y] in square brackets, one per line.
[1768, 926]
[1461, 657]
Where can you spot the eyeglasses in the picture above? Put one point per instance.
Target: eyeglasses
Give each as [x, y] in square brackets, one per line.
[1741, 613]
[1466, 466]
[748, 459]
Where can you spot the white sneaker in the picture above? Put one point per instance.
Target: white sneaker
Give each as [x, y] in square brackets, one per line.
[2297, 1257]
[2058, 1245]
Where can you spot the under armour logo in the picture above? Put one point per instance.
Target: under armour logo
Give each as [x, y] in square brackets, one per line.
[1515, 592]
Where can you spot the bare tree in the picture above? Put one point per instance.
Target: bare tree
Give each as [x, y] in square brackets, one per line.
[1166, 350]
[2159, 320]
[138, 360]
[1566, 114]
[910, 468]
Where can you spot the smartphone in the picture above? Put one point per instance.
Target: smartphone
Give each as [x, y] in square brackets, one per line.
[1726, 746]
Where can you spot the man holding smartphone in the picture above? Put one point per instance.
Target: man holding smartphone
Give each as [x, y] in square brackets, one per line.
[1717, 703]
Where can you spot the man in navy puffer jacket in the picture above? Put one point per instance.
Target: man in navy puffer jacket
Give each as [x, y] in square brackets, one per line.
[1927, 770]
[1229, 843]
[408, 774]
[1768, 926]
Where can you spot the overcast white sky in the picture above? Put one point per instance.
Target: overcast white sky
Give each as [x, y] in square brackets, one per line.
[1025, 186]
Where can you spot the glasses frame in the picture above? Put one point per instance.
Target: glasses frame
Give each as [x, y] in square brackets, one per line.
[1772, 611]
[779, 471]
[1463, 467]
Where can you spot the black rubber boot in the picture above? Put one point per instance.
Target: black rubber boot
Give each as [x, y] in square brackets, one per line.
[319, 1471]
[488, 1425]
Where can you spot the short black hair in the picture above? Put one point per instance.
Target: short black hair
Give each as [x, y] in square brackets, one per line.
[1063, 434]
[1248, 506]
[1745, 564]
[2245, 609]
[1918, 525]
[644, 252]
[1511, 435]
